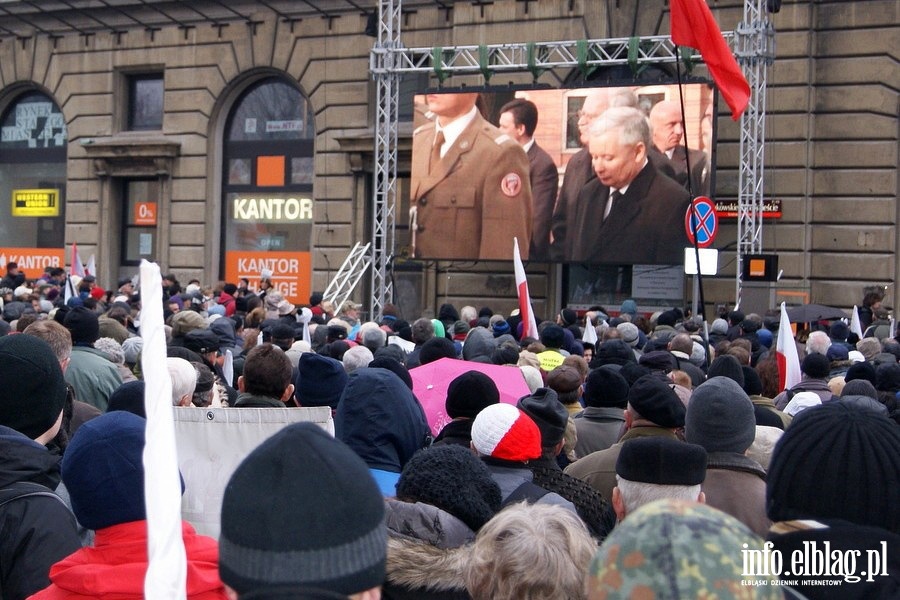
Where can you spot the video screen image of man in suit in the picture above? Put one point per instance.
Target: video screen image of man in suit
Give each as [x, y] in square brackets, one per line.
[667, 131]
[630, 213]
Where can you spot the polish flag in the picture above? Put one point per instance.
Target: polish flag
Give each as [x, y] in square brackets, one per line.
[529, 325]
[786, 353]
[91, 268]
[855, 325]
[77, 267]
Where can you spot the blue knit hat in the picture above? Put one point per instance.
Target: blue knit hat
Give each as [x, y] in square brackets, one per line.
[320, 380]
[103, 470]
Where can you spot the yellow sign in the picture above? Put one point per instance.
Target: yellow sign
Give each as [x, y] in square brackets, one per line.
[35, 203]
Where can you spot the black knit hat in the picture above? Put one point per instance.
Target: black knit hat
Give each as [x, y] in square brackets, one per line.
[435, 349]
[469, 393]
[33, 391]
[815, 365]
[453, 479]
[605, 388]
[84, 325]
[752, 383]
[320, 522]
[320, 380]
[656, 401]
[128, 397]
[837, 462]
[395, 366]
[553, 336]
[662, 461]
[861, 370]
[727, 366]
[613, 352]
[887, 377]
[548, 413]
[658, 360]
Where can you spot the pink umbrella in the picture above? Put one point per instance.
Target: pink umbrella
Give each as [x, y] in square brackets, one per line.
[430, 383]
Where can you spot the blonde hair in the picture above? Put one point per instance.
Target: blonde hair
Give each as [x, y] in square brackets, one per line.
[530, 552]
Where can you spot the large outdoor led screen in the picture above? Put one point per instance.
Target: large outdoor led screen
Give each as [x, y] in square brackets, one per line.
[606, 179]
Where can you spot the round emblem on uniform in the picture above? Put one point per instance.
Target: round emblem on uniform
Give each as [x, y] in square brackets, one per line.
[511, 184]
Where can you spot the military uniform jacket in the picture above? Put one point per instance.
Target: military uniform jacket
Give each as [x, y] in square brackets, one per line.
[475, 200]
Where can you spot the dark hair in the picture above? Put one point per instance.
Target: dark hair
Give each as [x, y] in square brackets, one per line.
[267, 371]
[524, 112]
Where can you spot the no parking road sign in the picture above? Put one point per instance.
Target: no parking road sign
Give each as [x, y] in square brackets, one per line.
[701, 215]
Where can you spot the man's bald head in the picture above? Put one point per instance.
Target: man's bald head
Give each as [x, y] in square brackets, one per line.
[665, 125]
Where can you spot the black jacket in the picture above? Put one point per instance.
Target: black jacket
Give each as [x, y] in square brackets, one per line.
[35, 531]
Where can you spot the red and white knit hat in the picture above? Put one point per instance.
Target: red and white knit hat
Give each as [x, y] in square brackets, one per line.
[505, 432]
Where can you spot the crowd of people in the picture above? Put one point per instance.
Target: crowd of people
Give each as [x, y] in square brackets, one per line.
[658, 461]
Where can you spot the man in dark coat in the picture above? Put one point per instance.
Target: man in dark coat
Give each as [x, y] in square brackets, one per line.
[668, 136]
[518, 120]
[631, 213]
[38, 529]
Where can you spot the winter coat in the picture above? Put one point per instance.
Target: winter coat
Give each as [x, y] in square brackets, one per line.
[245, 400]
[591, 506]
[93, 376]
[457, 431]
[427, 553]
[819, 386]
[510, 475]
[598, 428]
[736, 485]
[35, 531]
[116, 565]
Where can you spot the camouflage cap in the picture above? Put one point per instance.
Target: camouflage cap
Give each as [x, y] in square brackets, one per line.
[676, 549]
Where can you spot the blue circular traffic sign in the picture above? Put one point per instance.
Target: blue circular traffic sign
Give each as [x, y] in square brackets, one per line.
[701, 217]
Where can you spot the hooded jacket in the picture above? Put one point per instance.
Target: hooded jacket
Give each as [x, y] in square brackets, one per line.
[427, 553]
[36, 531]
[381, 420]
[480, 344]
[116, 565]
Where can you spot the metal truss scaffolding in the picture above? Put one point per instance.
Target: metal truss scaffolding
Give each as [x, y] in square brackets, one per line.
[754, 42]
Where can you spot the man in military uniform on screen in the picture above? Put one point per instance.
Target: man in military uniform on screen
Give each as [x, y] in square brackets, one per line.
[631, 212]
[470, 193]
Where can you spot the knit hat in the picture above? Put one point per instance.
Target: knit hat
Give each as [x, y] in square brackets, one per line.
[320, 522]
[661, 461]
[800, 402]
[568, 317]
[320, 380]
[33, 392]
[658, 360]
[505, 432]
[395, 366]
[103, 470]
[861, 370]
[719, 327]
[469, 393]
[435, 349]
[655, 400]
[548, 413]
[605, 388]
[859, 387]
[629, 332]
[453, 479]
[765, 337]
[837, 352]
[839, 330]
[553, 336]
[727, 366]
[128, 397]
[837, 462]
[83, 325]
[682, 549]
[499, 328]
[887, 377]
[613, 352]
[752, 382]
[720, 417]
[815, 365]
[628, 307]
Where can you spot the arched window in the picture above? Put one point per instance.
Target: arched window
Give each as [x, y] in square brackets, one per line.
[32, 184]
[268, 188]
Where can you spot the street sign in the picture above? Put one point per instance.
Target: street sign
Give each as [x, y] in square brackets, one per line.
[704, 221]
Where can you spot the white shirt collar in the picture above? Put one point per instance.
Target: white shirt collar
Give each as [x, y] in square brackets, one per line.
[528, 145]
[454, 130]
[624, 189]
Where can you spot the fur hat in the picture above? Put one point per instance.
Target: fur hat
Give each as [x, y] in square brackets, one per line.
[321, 526]
[662, 461]
[720, 417]
[837, 462]
[469, 393]
[453, 479]
[33, 392]
[815, 365]
[505, 432]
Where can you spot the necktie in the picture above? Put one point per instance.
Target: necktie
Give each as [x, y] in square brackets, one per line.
[613, 197]
[436, 151]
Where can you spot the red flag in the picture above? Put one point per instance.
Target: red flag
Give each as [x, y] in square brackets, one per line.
[693, 25]
[529, 324]
[77, 267]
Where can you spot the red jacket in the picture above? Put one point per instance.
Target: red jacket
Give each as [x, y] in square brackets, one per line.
[228, 301]
[117, 563]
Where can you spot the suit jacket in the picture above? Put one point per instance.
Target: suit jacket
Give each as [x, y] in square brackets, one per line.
[544, 186]
[699, 169]
[645, 226]
[475, 200]
[564, 224]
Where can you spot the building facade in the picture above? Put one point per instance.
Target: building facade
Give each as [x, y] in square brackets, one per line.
[224, 139]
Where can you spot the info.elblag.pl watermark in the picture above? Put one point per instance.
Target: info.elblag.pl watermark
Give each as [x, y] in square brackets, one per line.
[814, 564]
